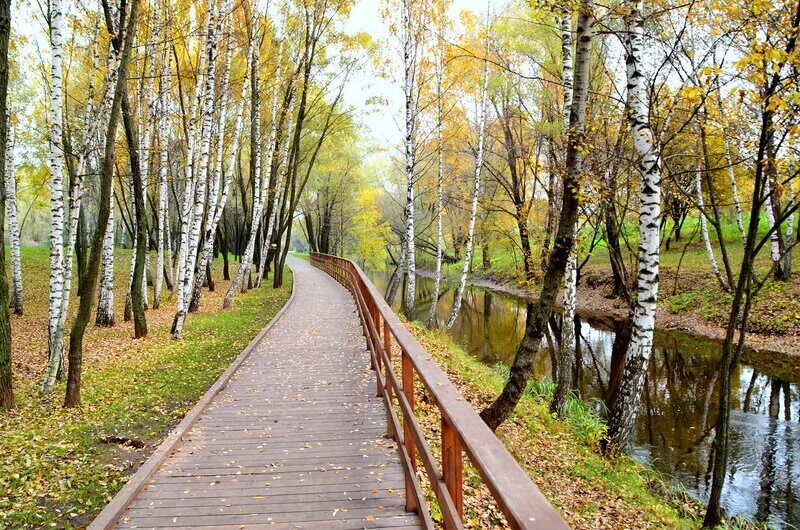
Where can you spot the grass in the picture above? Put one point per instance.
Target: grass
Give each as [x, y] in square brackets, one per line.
[688, 287]
[55, 470]
[562, 457]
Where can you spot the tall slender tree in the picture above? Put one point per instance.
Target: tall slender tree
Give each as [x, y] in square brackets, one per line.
[13, 222]
[542, 309]
[625, 405]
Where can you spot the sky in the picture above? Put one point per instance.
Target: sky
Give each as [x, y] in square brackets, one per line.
[384, 123]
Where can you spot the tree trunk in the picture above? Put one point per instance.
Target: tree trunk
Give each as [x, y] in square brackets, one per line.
[626, 404]
[565, 354]
[207, 109]
[72, 398]
[6, 389]
[56, 299]
[437, 278]
[540, 312]
[258, 185]
[105, 307]
[216, 201]
[484, 90]
[137, 185]
[11, 206]
[410, 71]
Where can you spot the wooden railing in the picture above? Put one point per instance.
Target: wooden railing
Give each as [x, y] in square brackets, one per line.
[462, 430]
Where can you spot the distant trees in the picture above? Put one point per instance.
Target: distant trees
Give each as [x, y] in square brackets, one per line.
[192, 181]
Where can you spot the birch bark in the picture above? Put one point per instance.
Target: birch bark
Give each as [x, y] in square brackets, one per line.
[698, 188]
[105, 307]
[185, 287]
[13, 223]
[163, 163]
[260, 181]
[55, 330]
[217, 202]
[410, 65]
[628, 400]
[484, 90]
[566, 346]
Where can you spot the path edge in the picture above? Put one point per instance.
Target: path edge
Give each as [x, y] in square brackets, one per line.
[124, 497]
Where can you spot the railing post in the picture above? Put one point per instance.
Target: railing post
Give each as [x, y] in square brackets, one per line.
[408, 389]
[452, 465]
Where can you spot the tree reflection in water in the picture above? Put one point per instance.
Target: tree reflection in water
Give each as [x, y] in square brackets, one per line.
[675, 432]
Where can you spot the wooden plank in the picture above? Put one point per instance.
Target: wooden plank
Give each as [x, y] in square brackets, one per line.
[294, 440]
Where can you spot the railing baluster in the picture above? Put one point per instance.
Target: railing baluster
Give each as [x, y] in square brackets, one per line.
[408, 437]
[452, 465]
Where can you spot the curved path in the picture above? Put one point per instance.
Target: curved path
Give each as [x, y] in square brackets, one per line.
[294, 440]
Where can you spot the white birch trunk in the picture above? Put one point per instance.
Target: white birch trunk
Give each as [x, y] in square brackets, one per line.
[93, 117]
[283, 171]
[55, 330]
[774, 238]
[163, 162]
[477, 185]
[788, 238]
[105, 307]
[437, 282]
[259, 186]
[409, 63]
[626, 405]
[13, 224]
[737, 203]
[216, 201]
[698, 185]
[185, 287]
[570, 299]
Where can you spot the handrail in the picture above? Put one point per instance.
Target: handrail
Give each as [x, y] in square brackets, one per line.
[463, 431]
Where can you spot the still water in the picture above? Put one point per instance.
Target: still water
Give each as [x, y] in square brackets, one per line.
[676, 424]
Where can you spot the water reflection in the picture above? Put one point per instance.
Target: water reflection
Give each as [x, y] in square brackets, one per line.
[676, 427]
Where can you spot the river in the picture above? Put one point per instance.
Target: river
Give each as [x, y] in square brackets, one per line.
[675, 426]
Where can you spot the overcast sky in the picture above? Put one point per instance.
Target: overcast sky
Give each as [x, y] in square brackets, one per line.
[382, 121]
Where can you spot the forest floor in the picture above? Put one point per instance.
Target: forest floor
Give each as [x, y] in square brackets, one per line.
[690, 298]
[561, 456]
[59, 467]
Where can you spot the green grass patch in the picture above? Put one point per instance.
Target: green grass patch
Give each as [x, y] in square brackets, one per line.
[54, 469]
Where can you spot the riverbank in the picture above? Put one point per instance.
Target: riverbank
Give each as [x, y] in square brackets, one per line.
[59, 467]
[562, 457]
[690, 303]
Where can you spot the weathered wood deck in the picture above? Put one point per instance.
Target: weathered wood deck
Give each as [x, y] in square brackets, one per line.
[294, 440]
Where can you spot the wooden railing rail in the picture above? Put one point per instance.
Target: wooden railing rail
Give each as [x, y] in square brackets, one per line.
[462, 430]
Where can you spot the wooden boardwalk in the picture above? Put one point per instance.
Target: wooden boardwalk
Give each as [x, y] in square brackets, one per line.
[294, 440]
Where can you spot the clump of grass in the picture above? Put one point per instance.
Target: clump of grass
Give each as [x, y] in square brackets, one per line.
[581, 415]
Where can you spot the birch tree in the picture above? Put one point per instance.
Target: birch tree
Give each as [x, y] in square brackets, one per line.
[122, 42]
[476, 188]
[566, 346]
[410, 47]
[626, 404]
[163, 163]
[185, 286]
[216, 202]
[260, 181]
[437, 279]
[105, 305]
[56, 298]
[13, 222]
